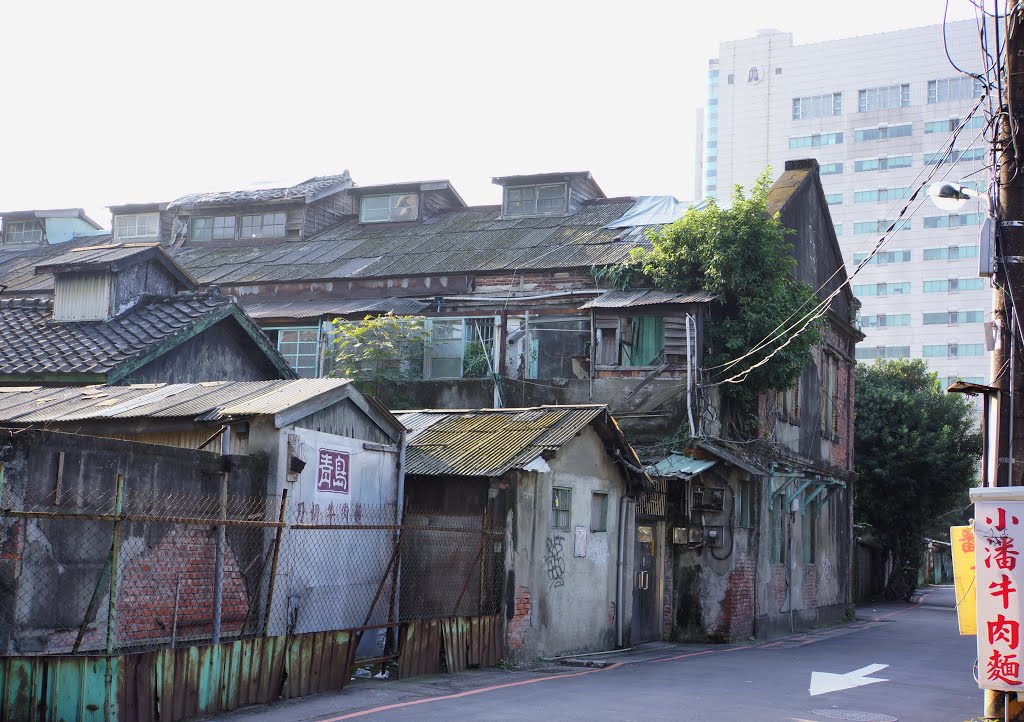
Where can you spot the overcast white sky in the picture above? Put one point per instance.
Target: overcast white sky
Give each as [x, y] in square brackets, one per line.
[109, 103]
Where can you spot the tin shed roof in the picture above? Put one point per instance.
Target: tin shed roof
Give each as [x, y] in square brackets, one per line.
[646, 297]
[205, 401]
[490, 442]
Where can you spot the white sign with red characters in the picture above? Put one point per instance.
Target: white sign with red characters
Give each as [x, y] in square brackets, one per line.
[999, 535]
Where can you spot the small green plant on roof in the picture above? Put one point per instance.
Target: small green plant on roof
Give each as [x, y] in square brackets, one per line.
[378, 352]
[740, 254]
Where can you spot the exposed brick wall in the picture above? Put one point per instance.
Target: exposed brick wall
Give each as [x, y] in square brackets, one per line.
[145, 605]
[522, 620]
[809, 586]
[736, 616]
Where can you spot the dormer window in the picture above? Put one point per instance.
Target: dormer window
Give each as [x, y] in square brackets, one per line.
[537, 200]
[264, 225]
[393, 207]
[137, 226]
[213, 228]
[23, 232]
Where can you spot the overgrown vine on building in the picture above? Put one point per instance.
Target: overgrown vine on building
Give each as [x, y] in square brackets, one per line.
[742, 255]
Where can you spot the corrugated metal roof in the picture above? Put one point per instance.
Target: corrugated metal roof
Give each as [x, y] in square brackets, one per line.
[489, 442]
[680, 465]
[305, 190]
[646, 297]
[334, 307]
[206, 401]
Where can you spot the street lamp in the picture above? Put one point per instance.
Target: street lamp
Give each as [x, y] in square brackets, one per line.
[952, 196]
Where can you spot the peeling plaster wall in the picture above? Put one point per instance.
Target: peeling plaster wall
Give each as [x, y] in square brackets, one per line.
[560, 603]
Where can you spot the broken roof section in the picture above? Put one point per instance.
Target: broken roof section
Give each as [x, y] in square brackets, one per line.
[115, 257]
[491, 442]
[646, 297]
[308, 190]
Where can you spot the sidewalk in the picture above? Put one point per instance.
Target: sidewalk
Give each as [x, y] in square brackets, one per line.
[365, 694]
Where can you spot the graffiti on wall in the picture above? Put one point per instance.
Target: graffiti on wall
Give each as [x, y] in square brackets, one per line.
[554, 561]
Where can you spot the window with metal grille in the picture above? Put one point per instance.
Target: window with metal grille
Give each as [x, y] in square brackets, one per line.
[561, 508]
[598, 511]
[300, 347]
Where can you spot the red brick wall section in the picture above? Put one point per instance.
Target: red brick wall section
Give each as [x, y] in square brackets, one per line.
[522, 620]
[145, 605]
[736, 618]
[809, 587]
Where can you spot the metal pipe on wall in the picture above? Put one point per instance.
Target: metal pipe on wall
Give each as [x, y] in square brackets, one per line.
[620, 570]
[218, 568]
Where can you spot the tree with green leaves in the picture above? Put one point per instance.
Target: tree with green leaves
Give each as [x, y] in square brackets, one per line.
[740, 254]
[916, 451]
[378, 351]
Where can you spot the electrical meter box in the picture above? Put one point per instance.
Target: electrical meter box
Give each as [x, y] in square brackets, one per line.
[708, 498]
[714, 536]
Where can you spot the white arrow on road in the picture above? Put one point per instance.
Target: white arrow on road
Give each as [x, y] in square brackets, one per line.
[825, 682]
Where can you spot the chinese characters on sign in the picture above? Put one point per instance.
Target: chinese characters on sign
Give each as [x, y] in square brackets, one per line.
[332, 471]
[962, 539]
[998, 581]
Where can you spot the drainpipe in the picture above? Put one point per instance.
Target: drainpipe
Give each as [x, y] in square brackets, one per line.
[620, 570]
[689, 377]
[218, 569]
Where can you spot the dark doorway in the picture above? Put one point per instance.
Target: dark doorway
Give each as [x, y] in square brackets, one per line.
[646, 583]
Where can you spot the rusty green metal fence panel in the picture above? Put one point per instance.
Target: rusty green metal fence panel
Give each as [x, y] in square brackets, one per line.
[70, 689]
[421, 648]
[472, 641]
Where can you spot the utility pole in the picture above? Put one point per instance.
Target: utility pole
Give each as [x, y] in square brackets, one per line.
[1007, 370]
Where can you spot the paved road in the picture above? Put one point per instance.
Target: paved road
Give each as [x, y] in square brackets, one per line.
[929, 677]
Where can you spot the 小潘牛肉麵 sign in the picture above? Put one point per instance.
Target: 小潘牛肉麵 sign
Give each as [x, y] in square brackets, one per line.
[998, 532]
[332, 471]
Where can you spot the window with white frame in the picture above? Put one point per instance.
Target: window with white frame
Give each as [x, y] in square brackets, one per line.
[816, 140]
[958, 88]
[389, 208]
[300, 347]
[136, 226]
[867, 353]
[23, 232]
[263, 225]
[537, 200]
[883, 163]
[213, 228]
[458, 347]
[883, 132]
[889, 96]
[817, 106]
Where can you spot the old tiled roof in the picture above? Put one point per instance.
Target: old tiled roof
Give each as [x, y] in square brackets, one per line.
[33, 344]
[305, 190]
[17, 265]
[465, 240]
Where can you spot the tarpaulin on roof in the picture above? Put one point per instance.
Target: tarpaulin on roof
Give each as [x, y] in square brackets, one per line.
[651, 210]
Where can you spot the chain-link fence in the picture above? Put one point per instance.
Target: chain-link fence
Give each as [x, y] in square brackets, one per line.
[125, 570]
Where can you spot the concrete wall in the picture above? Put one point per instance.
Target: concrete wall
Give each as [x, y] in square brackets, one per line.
[737, 591]
[49, 568]
[557, 602]
[60, 230]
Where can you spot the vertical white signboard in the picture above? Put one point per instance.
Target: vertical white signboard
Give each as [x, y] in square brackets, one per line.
[999, 535]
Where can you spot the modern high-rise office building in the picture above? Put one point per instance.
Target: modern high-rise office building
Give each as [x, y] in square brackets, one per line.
[874, 111]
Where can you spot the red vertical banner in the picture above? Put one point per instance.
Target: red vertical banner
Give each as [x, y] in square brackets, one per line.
[999, 582]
